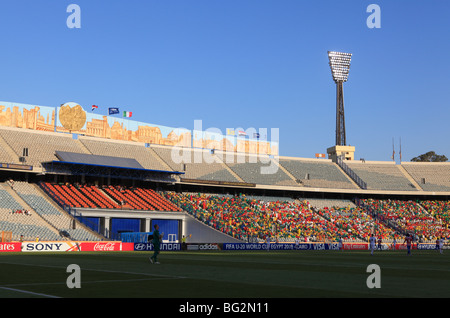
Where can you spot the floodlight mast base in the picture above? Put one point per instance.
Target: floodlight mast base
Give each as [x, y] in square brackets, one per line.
[340, 118]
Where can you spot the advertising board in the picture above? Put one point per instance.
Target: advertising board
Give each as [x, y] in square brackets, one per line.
[65, 246]
[145, 247]
[280, 246]
[10, 247]
[72, 246]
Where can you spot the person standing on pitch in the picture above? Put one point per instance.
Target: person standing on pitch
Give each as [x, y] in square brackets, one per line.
[394, 242]
[156, 244]
[408, 240]
[372, 241]
[441, 245]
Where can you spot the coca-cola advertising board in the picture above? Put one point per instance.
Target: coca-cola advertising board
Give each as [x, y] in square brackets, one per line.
[107, 246]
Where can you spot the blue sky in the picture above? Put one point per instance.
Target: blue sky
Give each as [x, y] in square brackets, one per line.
[242, 63]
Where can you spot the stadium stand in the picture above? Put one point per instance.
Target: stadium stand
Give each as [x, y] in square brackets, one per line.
[317, 173]
[50, 213]
[4, 155]
[277, 206]
[41, 145]
[246, 218]
[124, 149]
[196, 164]
[81, 196]
[357, 223]
[408, 217]
[258, 169]
[381, 176]
[431, 176]
[106, 197]
[438, 209]
[329, 203]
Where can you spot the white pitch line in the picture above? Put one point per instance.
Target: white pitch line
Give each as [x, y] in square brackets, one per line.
[90, 282]
[29, 292]
[156, 277]
[99, 270]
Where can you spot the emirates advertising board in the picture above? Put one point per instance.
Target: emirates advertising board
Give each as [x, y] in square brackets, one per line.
[10, 247]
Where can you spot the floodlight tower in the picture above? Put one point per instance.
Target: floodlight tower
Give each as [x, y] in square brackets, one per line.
[340, 67]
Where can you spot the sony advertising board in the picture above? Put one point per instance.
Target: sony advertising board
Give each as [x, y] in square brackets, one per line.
[70, 246]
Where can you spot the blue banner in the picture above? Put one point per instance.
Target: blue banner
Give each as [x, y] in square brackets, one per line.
[113, 110]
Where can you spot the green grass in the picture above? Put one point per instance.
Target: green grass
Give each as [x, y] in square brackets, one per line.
[226, 274]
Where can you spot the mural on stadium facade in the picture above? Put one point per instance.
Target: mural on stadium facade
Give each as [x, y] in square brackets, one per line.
[110, 127]
[27, 116]
[72, 118]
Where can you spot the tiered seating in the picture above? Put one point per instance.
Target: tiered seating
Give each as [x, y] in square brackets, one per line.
[124, 149]
[8, 202]
[109, 197]
[157, 200]
[13, 219]
[381, 176]
[5, 157]
[195, 163]
[439, 209]
[71, 196]
[41, 145]
[357, 223]
[259, 170]
[140, 199]
[51, 214]
[408, 216]
[127, 198]
[99, 199]
[82, 196]
[435, 174]
[23, 228]
[330, 203]
[317, 173]
[243, 218]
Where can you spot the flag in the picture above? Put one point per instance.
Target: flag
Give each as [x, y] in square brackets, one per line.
[242, 133]
[94, 107]
[113, 110]
[127, 114]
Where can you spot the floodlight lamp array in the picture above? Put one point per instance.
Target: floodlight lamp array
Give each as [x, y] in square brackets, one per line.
[340, 65]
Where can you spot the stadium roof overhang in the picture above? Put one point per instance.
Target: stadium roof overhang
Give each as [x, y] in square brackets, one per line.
[104, 166]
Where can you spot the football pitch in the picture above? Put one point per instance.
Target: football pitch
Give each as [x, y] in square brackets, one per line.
[226, 274]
